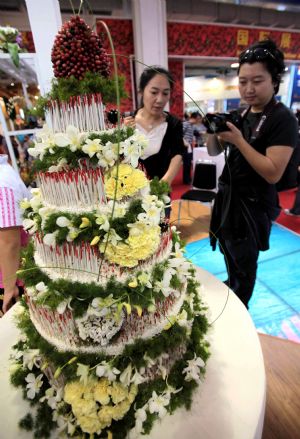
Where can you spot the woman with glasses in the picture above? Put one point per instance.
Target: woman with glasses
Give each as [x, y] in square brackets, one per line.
[258, 151]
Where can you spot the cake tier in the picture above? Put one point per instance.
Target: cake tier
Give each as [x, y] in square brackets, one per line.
[102, 333]
[84, 263]
[85, 112]
[83, 188]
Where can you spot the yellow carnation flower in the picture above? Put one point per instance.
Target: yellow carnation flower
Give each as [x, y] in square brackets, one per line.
[132, 393]
[84, 407]
[102, 391]
[130, 181]
[90, 424]
[137, 247]
[118, 392]
[105, 415]
[121, 409]
[73, 391]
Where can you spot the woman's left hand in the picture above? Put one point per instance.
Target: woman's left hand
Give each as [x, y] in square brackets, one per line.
[233, 136]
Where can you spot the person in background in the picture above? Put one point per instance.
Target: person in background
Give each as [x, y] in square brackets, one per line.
[163, 156]
[12, 236]
[188, 139]
[258, 152]
[3, 146]
[199, 131]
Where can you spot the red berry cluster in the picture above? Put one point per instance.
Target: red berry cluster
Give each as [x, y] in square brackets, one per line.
[77, 50]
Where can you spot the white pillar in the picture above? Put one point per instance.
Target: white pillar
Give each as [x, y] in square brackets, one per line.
[150, 33]
[45, 22]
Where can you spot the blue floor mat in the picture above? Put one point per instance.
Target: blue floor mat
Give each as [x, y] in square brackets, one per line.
[275, 304]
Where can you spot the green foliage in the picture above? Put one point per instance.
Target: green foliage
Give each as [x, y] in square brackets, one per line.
[27, 422]
[17, 378]
[159, 188]
[64, 88]
[43, 423]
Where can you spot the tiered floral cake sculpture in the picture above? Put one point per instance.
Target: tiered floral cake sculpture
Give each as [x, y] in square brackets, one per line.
[113, 326]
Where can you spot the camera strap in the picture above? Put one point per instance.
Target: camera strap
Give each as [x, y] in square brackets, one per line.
[256, 129]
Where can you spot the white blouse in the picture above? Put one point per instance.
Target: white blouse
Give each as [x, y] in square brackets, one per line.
[155, 138]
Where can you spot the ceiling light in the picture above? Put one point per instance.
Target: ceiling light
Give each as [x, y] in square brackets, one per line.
[286, 69]
[234, 65]
[12, 84]
[281, 8]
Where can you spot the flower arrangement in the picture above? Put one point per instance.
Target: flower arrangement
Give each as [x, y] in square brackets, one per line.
[11, 42]
[57, 151]
[113, 327]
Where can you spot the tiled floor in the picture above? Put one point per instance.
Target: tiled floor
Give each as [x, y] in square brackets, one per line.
[275, 305]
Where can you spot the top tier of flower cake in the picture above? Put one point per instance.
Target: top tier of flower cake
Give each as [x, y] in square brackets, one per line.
[79, 61]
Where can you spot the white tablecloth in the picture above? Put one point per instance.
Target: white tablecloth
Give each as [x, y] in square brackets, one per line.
[200, 153]
[229, 404]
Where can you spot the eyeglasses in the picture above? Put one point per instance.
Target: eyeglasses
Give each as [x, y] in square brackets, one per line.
[258, 54]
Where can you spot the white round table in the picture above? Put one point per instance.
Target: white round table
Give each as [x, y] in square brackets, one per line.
[229, 404]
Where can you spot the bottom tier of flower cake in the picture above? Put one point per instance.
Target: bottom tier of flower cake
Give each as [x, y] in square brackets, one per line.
[96, 395]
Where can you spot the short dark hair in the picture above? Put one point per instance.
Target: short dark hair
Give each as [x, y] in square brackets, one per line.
[149, 73]
[195, 114]
[267, 53]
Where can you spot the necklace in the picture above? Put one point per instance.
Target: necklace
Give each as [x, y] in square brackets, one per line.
[154, 123]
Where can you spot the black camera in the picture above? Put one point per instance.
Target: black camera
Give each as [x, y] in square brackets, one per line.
[112, 115]
[216, 122]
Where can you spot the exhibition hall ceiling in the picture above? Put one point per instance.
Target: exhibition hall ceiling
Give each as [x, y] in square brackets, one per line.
[284, 14]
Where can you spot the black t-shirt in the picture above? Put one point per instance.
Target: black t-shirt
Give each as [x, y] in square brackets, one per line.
[279, 128]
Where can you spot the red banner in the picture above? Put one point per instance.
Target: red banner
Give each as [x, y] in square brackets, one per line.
[189, 39]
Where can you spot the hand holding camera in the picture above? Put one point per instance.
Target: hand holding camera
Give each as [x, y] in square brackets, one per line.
[217, 122]
[226, 126]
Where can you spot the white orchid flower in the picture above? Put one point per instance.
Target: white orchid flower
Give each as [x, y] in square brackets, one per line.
[38, 150]
[50, 239]
[59, 167]
[138, 377]
[41, 287]
[71, 138]
[119, 209]
[125, 376]
[140, 417]
[36, 201]
[158, 403]
[108, 155]
[53, 396]
[44, 213]
[112, 237]
[25, 204]
[63, 221]
[33, 385]
[178, 251]
[62, 306]
[30, 225]
[132, 151]
[72, 234]
[192, 371]
[31, 357]
[92, 147]
[148, 360]
[102, 220]
[107, 370]
[145, 279]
